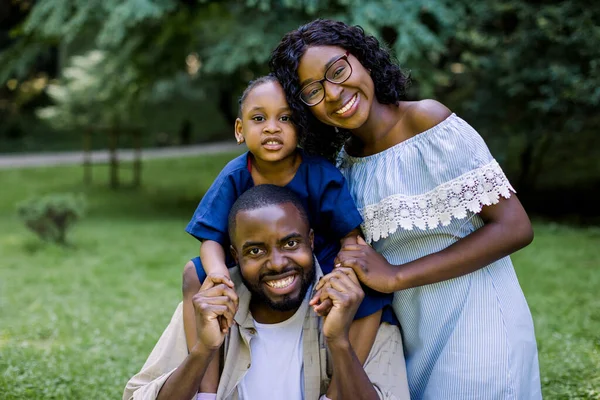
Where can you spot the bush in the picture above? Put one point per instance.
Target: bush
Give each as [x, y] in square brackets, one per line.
[51, 216]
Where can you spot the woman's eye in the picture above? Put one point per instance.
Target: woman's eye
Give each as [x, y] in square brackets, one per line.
[338, 72]
[312, 93]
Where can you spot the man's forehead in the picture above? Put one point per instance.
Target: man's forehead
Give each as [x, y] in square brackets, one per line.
[267, 219]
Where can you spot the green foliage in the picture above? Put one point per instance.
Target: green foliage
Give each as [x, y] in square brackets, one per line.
[52, 216]
[532, 76]
[142, 42]
[527, 75]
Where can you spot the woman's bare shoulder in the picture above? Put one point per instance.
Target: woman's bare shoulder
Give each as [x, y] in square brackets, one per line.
[422, 115]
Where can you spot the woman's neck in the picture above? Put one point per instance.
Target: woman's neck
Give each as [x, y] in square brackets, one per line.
[381, 131]
[278, 173]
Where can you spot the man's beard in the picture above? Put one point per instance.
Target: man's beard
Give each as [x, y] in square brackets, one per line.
[287, 303]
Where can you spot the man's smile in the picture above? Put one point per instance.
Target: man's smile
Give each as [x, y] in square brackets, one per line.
[282, 284]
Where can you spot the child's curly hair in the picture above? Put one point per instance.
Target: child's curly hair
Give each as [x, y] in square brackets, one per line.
[390, 82]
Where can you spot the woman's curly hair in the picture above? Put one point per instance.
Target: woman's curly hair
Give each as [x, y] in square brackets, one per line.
[390, 82]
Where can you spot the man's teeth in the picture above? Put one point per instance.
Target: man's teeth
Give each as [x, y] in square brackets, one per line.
[281, 283]
[347, 106]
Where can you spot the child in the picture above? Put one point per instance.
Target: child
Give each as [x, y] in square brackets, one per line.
[265, 125]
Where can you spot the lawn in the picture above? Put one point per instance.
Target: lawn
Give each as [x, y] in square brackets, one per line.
[77, 322]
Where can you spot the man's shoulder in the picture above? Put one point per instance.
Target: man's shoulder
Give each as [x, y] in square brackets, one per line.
[236, 276]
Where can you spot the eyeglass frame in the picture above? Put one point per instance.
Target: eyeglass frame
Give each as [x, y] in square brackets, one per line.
[342, 57]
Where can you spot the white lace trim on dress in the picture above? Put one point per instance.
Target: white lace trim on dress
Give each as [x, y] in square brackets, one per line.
[469, 192]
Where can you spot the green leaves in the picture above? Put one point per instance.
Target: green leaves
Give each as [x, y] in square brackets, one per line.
[51, 216]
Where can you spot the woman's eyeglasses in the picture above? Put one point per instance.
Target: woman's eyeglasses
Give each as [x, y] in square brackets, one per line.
[338, 72]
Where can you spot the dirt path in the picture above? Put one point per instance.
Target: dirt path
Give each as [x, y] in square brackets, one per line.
[25, 160]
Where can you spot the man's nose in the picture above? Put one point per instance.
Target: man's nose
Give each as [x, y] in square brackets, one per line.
[278, 260]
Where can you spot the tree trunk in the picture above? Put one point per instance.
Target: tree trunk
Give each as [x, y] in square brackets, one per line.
[225, 96]
[526, 157]
[87, 156]
[137, 158]
[113, 142]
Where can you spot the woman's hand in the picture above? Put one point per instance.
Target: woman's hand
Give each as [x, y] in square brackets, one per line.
[371, 267]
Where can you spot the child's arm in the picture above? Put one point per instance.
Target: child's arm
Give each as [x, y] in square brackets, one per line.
[212, 255]
[350, 238]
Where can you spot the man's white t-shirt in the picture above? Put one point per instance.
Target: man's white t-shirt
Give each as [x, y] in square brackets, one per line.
[277, 360]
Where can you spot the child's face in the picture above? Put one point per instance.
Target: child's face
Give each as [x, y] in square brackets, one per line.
[266, 124]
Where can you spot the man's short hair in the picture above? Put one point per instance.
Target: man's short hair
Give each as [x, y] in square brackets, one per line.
[263, 196]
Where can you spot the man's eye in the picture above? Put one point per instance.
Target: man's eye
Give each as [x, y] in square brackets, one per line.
[254, 252]
[291, 244]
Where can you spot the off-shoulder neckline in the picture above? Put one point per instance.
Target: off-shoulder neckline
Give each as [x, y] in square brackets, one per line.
[419, 136]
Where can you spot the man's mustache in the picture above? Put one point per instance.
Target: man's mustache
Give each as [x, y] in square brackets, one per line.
[269, 273]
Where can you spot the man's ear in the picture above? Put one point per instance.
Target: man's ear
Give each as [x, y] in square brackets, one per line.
[311, 237]
[238, 131]
[234, 254]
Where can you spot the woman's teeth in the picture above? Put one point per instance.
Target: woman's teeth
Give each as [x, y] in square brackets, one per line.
[281, 283]
[347, 106]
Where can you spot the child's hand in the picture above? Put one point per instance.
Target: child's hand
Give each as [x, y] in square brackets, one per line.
[225, 279]
[215, 302]
[319, 302]
[371, 267]
[222, 277]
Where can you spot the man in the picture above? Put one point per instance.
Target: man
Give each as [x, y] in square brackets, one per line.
[277, 346]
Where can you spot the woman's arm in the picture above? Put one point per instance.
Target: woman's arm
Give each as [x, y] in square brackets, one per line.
[506, 230]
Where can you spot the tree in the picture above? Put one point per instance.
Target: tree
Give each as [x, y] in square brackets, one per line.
[153, 38]
[529, 72]
[525, 73]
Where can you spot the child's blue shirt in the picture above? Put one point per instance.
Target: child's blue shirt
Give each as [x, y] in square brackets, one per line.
[322, 190]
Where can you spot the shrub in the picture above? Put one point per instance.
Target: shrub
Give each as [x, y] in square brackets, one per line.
[51, 216]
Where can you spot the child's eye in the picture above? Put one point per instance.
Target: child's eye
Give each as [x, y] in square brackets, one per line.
[258, 118]
[285, 118]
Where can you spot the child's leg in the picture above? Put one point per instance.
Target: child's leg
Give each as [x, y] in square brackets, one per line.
[191, 285]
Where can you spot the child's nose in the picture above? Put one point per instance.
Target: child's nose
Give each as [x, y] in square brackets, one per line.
[272, 126]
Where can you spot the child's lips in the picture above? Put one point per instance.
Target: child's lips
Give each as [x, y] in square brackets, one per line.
[272, 143]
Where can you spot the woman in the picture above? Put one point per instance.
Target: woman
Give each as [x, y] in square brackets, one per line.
[438, 211]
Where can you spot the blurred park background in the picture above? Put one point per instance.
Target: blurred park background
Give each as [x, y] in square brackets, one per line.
[79, 317]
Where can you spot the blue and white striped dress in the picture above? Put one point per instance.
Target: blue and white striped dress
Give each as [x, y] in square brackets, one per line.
[471, 337]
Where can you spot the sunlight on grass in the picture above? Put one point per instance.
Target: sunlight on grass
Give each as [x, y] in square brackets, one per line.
[77, 322]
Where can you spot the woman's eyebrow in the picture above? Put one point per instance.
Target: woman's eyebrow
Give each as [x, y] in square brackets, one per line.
[327, 65]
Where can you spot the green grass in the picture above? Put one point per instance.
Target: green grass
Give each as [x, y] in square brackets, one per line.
[77, 322]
